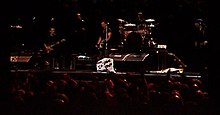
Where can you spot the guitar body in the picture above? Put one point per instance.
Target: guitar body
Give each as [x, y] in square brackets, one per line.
[101, 45]
[49, 48]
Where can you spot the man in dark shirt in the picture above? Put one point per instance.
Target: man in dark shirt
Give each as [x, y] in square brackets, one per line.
[103, 40]
[53, 49]
[140, 21]
[81, 33]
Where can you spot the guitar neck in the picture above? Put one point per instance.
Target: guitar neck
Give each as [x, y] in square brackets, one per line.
[58, 42]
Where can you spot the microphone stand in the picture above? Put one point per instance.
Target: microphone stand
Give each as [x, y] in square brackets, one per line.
[106, 43]
[106, 37]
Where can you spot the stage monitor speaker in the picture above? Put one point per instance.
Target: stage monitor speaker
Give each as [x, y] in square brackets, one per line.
[130, 62]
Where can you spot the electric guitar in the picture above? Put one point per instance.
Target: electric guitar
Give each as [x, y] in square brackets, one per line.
[49, 48]
[101, 45]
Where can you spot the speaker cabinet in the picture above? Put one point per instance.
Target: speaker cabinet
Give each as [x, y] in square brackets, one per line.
[25, 62]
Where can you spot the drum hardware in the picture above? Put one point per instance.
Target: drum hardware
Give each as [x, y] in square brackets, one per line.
[140, 33]
[151, 25]
[151, 43]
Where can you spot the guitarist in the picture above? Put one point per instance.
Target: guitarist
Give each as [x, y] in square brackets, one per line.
[103, 40]
[52, 47]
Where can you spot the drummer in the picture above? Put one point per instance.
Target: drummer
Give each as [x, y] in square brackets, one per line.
[140, 21]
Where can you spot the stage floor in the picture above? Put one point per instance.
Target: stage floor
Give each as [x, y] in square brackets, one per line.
[87, 73]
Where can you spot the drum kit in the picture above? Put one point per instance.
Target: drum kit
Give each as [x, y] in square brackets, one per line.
[143, 32]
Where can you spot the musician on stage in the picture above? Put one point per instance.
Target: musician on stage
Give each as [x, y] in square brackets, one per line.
[81, 33]
[53, 49]
[140, 21]
[103, 43]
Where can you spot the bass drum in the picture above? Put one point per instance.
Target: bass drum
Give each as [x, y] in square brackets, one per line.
[133, 42]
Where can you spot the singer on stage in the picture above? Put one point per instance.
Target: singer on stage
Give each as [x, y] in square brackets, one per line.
[103, 40]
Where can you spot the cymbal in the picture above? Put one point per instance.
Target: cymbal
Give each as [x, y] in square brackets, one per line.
[130, 25]
[121, 20]
[113, 49]
[149, 20]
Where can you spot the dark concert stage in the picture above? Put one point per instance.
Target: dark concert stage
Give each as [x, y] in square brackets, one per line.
[156, 60]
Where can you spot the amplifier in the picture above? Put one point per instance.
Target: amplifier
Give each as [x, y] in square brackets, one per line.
[25, 62]
[20, 58]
